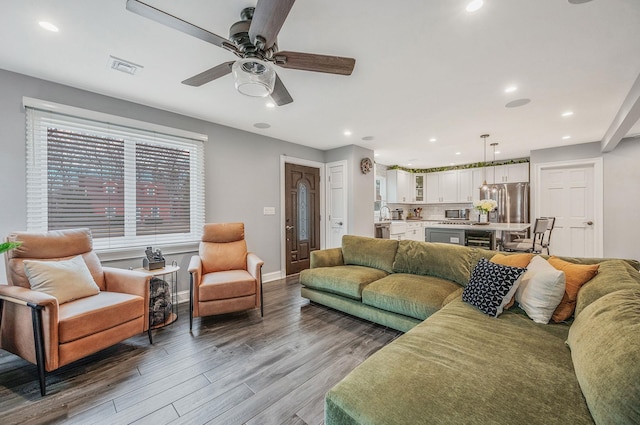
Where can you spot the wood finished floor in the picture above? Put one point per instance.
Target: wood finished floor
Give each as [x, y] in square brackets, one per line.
[233, 369]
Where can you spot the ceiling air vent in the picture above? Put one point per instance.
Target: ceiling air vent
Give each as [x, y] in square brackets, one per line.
[123, 65]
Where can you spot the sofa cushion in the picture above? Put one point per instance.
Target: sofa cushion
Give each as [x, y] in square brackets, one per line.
[369, 252]
[605, 347]
[576, 275]
[408, 294]
[347, 281]
[613, 275]
[513, 260]
[541, 289]
[492, 286]
[446, 261]
[463, 367]
[90, 315]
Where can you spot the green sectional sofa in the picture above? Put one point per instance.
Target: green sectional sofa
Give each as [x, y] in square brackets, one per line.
[457, 365]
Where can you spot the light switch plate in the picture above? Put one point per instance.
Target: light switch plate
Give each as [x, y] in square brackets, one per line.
[269, 211]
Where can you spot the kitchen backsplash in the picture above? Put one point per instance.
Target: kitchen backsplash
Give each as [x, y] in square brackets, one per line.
[429, 212]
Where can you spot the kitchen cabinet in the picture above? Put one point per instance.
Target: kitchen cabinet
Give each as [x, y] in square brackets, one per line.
[418, 188]
[442, 187]
[399, 187]
[508, 173]
[469, 182]
[415, 231]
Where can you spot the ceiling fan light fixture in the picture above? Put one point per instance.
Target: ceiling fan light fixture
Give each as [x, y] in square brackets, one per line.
[253, 77]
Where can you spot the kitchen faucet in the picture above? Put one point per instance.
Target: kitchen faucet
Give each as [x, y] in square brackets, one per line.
[388, 213]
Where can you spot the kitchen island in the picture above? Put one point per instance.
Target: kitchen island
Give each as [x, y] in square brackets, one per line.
[470, 233]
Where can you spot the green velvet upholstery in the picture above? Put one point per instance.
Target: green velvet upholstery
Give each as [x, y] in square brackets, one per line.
[326, 258]
[347, 281]
[463, 367]
[411, 295]
[399, 322]
[376, 253]
[605, 347]
[446, 261]
[612, 276]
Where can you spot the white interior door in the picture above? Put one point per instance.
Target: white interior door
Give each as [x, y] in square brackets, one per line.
[336, 203]
[572, 192]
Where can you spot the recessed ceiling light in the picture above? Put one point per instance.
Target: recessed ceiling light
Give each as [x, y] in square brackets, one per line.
[433, 139]
[458, 153]
[48, 26]
[516, 103]
[376, 154]
[474, 5]
[270, 105]
[347, 133]
[567, 114]
[409, 164]
[511, 89]
[262, 125]
[566, 137]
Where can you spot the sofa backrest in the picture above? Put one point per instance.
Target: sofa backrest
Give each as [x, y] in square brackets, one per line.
[446, 261]
[369, 252]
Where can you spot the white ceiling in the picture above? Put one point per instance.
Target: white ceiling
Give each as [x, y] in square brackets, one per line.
[424, 69]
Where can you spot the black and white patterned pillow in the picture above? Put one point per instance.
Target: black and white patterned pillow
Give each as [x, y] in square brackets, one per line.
[492, 286]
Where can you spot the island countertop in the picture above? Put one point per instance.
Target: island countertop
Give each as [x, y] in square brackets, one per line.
[500, 227]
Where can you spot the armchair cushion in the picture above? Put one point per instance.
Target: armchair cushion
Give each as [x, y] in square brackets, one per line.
[66, 280]
[223, 256]
[91, 315]
[227, 284]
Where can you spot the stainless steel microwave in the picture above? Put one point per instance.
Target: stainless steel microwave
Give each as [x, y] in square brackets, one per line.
[462, 214]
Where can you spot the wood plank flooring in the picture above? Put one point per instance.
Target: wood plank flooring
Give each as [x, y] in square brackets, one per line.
[233, 369]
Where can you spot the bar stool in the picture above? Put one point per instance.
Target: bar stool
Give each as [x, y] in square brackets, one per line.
[537, 242]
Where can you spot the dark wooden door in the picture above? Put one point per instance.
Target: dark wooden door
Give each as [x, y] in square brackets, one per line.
[302, 215]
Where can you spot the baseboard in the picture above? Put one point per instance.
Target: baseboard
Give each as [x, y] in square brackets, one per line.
[183, 296]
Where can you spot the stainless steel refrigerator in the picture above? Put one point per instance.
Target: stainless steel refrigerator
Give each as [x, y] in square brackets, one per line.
[513, 202]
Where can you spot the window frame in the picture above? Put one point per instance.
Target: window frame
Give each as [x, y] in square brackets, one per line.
[139, 132]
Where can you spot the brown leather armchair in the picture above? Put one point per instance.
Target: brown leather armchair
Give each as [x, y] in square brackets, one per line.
[36, 327]
[224, 276]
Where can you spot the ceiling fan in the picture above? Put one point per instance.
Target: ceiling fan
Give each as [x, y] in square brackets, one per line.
[254, 41]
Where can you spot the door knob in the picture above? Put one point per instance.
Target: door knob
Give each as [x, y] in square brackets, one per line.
[339, 223]
[588, 223]
[289, 227]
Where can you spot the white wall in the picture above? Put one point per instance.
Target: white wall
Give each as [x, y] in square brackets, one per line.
[242, 169]
[621, 180]
[360, 186]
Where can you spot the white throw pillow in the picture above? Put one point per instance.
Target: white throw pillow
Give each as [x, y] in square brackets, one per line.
[66, 279]
[541, 290]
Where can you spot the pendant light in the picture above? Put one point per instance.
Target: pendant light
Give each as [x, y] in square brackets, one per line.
[494, 188]
[484, 186]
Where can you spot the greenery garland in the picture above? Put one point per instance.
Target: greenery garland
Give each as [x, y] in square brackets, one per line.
[458, 167]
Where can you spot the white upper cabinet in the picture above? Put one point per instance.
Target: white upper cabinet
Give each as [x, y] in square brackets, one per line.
[442, 187]
[399, 187]
[469, 182]
[509, 173]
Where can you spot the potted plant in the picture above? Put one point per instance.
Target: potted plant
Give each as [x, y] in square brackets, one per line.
[6, 246]
[485, 206]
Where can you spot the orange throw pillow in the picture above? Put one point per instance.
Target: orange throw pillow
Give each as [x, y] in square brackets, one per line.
[513, 260]
[576, 276]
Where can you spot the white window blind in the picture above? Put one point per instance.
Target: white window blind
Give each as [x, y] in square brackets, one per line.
[131, 186]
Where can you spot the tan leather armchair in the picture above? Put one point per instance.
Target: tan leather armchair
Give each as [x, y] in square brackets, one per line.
[36, 327]
[224, 276]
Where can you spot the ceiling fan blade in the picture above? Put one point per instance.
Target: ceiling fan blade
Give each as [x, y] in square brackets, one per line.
[209, 75]
[317, 63]
[268, 18]
[280, 95]
[164, 18]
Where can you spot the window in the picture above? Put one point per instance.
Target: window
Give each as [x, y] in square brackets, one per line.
[133, 184]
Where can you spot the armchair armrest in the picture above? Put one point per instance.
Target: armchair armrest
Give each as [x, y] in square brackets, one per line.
[129, 282]
[254, 264]
[26, 297]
